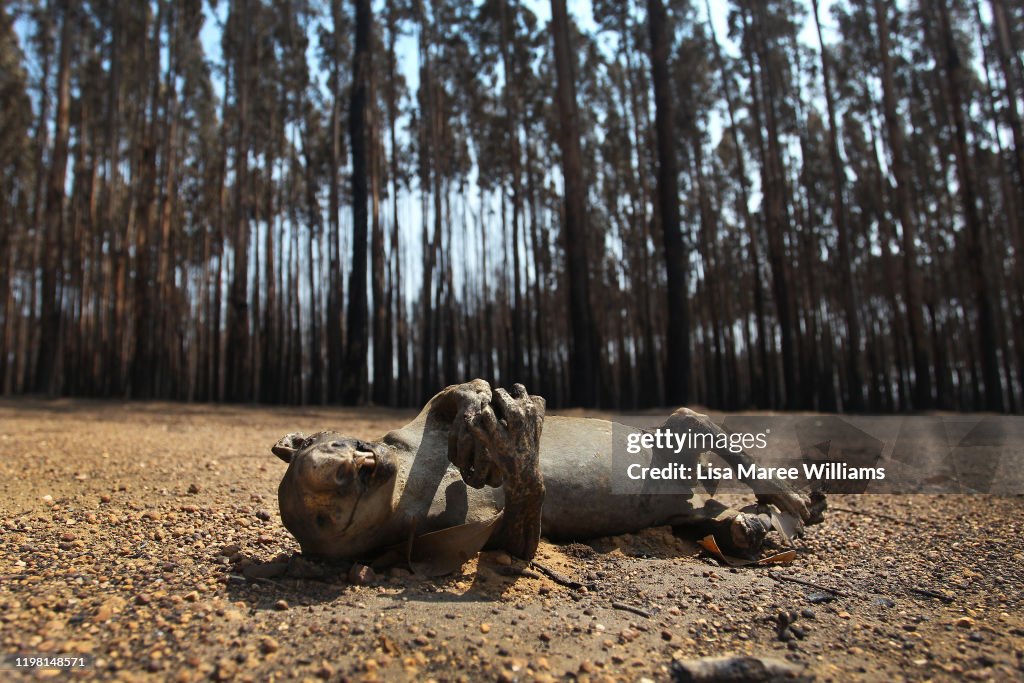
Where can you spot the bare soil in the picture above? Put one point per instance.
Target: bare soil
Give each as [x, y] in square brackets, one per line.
[127, 531]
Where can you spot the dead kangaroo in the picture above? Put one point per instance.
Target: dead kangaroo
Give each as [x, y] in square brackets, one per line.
[480, 468]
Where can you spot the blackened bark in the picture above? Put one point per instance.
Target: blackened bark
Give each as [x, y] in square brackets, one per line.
[901, 175]
[583, 366]
[382, 347]
[356, 339]
[238, 344]
[760, 376]
[46, 375]
[334, 337]
[677, 380]
[947, 54]
[397, 294]
[1006, 49]
[854, 380]
[765, 90]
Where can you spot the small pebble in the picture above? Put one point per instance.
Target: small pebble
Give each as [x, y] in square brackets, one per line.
[225, 671]
[361, 575]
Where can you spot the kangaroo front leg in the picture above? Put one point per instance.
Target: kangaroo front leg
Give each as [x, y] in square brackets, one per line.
[513, 439]
[494, 440]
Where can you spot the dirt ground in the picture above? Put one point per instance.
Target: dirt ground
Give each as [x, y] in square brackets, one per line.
[128, 530]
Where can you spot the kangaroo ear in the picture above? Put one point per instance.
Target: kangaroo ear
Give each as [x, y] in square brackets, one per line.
[288, 445]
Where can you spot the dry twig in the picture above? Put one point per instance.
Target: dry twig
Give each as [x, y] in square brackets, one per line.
[560, 579]
[630, 608]
[808, 584]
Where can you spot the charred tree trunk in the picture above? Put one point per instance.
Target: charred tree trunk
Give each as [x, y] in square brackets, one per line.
[760, 376]
[427, 170]
[335, 295]
[382, 348]
[854, 380]
[775, 208]
[238, 360]
[519, 336]
[398, 295]
[947, 54]
[1010, 65]
[677, 380]
[356, 338]
[903, 188]
[47, 367]
[584, 338]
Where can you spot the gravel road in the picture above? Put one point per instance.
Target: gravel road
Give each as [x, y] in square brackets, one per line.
[146, 535]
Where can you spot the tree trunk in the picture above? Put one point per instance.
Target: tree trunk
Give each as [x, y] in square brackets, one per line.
[677, 347]
[427, 167]
[584, 338]
[947, 55]
[398, 295]
[357, 332]
[335, 294]
[47, 368]
[1009, 64]
[775, 193]
[854, 380]
[901, 175]
[382, 351]
[759, 373]
[238, 361]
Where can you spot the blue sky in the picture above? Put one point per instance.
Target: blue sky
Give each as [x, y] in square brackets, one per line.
[581, 11]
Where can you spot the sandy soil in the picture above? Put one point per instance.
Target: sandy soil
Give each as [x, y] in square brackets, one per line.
[126, 531]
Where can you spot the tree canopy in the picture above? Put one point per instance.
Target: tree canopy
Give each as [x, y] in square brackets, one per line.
[753, 203]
